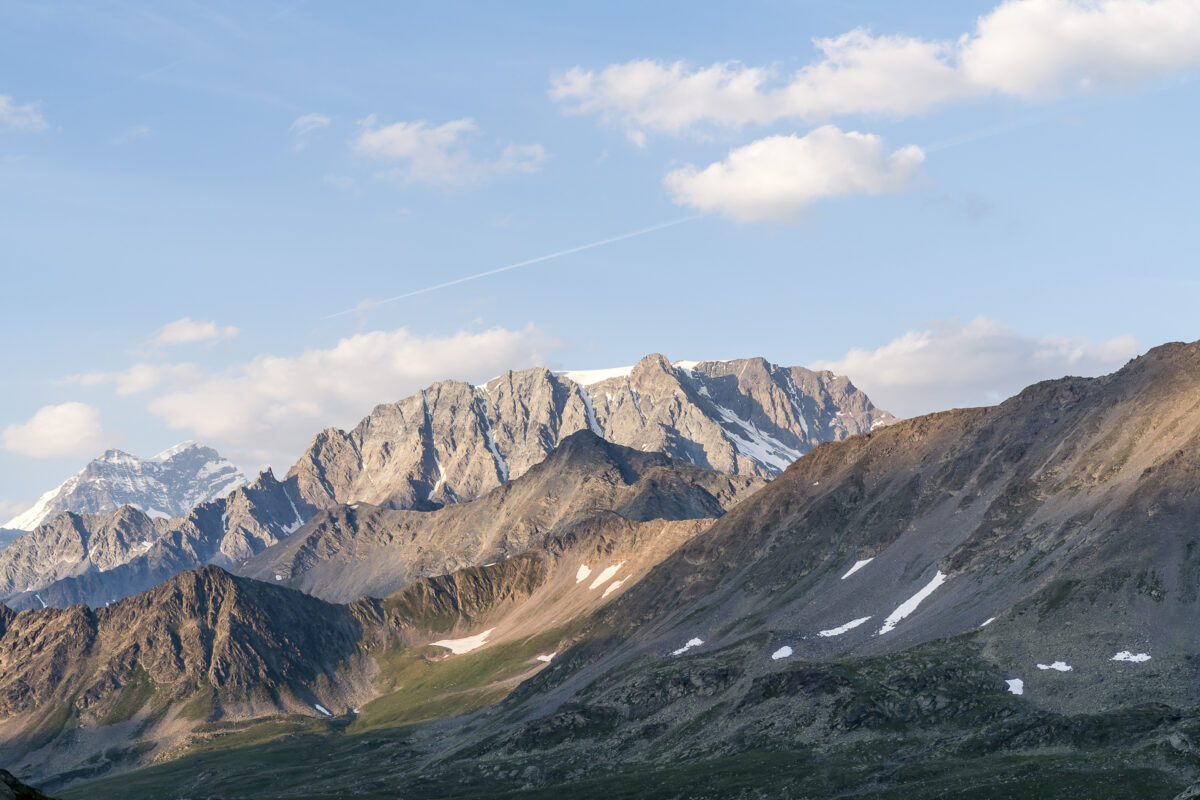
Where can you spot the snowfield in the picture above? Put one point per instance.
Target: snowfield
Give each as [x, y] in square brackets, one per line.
[466, 645]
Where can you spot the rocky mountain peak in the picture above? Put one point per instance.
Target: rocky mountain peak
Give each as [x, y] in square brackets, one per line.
[453, 441]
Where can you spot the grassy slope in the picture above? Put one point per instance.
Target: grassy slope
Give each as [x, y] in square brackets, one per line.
[903, 749]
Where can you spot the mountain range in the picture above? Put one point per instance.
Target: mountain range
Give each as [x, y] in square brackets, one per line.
[991, 602]
[450, 443]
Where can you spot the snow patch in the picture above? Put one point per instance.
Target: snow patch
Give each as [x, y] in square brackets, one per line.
[593, 423]
[688, 646]
[857, 565]
[612, 587]
[1016, 685]
[1060, 666]
[322, 709]
[755, 444]
[40, 600]
[460, 646]
[171, 452]
[782, 652]
[582, 573]
[501, 464]
[278, 577]
[910, 605]
[987, 622]
[547, 657]
[1125, 655]
[606, 575]
[839, 630]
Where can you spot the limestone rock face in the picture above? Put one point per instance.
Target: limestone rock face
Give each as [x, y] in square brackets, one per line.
[453, 441]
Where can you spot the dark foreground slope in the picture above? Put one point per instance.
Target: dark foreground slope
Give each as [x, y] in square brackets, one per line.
[1048, 546]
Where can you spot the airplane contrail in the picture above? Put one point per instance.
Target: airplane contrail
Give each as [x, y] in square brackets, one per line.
[369, 304]
[985, 133]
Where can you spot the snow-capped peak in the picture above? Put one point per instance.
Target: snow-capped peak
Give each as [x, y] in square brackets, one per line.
[169, 484]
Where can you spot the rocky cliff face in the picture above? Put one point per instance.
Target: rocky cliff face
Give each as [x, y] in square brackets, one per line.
[95, 559]
[362, 549]
[170, 484]
[453, 442]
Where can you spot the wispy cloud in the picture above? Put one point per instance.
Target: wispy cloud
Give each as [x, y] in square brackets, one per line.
[140, 377]
[1031, 49]
[22, 118]
[132, 134]
[188, 331]
[435, 154]
[778, 177]
[304, 126]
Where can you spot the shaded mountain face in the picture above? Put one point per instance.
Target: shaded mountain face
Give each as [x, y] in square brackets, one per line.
[1066, 514]
[999, 600]
[362, 549]
[453, 442]
[13, 789]
[95, 559]
[170, 484]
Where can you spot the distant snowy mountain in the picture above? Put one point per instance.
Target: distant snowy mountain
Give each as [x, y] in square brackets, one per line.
[168, 485]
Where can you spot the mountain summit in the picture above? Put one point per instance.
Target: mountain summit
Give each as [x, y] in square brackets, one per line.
[453, 441]
[170, 484]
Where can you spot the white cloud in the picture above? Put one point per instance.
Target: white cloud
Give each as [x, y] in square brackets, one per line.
[1030, 49]
[434, 155]
[950, 364]
[188, 330]
[779, 176]
[304, 125]
[25, 118]
[269, 408]
[69, 429]
[1040, 48]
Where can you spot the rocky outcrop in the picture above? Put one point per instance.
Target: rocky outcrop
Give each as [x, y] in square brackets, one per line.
[453, 442]
[170, 484]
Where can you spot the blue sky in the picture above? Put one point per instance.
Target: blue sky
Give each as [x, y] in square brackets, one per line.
[946, 202]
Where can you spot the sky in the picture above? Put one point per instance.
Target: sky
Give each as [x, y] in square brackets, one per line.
[243, 222]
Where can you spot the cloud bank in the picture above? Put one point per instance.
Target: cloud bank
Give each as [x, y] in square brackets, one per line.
[266, 410]
[954, 364]
[57, 431]
[1028, 49]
